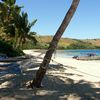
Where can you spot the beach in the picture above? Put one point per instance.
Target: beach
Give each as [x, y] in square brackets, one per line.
[89, 69]
[66, 79]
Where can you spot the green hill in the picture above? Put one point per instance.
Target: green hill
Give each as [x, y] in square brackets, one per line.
[66, 43]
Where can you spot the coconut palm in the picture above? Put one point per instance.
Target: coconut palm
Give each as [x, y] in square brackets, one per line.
[23, 29]
[15, 24]
[7, 10]
[53, 45]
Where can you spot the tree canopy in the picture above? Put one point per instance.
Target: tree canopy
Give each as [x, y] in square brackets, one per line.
[15, 27]
[14, 24]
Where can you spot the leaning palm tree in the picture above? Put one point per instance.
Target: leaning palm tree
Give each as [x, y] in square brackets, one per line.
[53, 45]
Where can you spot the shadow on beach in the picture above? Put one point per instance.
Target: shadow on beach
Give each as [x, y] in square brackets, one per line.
[56, 85]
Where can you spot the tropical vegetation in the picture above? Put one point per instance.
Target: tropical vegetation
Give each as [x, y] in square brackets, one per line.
[14, 25]
[67, 43]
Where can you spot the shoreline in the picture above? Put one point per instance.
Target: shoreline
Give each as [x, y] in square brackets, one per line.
[90, 70]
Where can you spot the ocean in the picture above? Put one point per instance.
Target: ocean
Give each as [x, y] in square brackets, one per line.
[71, 53]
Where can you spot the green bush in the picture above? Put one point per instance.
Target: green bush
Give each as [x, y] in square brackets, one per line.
[81, 45]
[7, 49]
[97, 47]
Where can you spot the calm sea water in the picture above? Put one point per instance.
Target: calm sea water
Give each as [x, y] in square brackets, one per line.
[71, 53]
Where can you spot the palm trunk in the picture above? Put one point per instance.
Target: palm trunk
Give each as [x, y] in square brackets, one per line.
[53, 45]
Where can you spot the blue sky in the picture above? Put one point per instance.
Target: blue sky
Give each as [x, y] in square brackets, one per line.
[49, 14]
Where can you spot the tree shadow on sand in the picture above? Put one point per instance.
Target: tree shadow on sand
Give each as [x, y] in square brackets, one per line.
[56, 86]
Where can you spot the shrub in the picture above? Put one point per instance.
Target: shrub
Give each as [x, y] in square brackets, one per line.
[7, 49]
[80, 45]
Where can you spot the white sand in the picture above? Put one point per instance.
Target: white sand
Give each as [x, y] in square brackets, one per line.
[76, 80]
[90, 70]
[86, 70]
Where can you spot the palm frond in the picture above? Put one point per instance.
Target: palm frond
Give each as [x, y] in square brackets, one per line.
[32, 23]
[33, 38]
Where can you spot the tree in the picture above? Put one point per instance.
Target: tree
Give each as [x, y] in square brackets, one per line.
[7, 10]
[22, 27]
[14, 24]
[53, 45]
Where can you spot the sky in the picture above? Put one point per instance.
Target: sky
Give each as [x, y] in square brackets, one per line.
[85, 23]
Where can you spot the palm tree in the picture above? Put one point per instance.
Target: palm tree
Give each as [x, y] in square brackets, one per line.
[7, 11]
[53, 45]
[15, 25]
[22, 27]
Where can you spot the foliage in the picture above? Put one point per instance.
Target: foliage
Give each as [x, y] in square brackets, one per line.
[81, 45]
[68, 43]
[6, 48]
[23, 29]
[15, 24]
[7, 10]
[97, 47]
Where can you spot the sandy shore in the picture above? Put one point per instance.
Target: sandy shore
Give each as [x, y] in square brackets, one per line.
[90, 70]
[66, 79]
